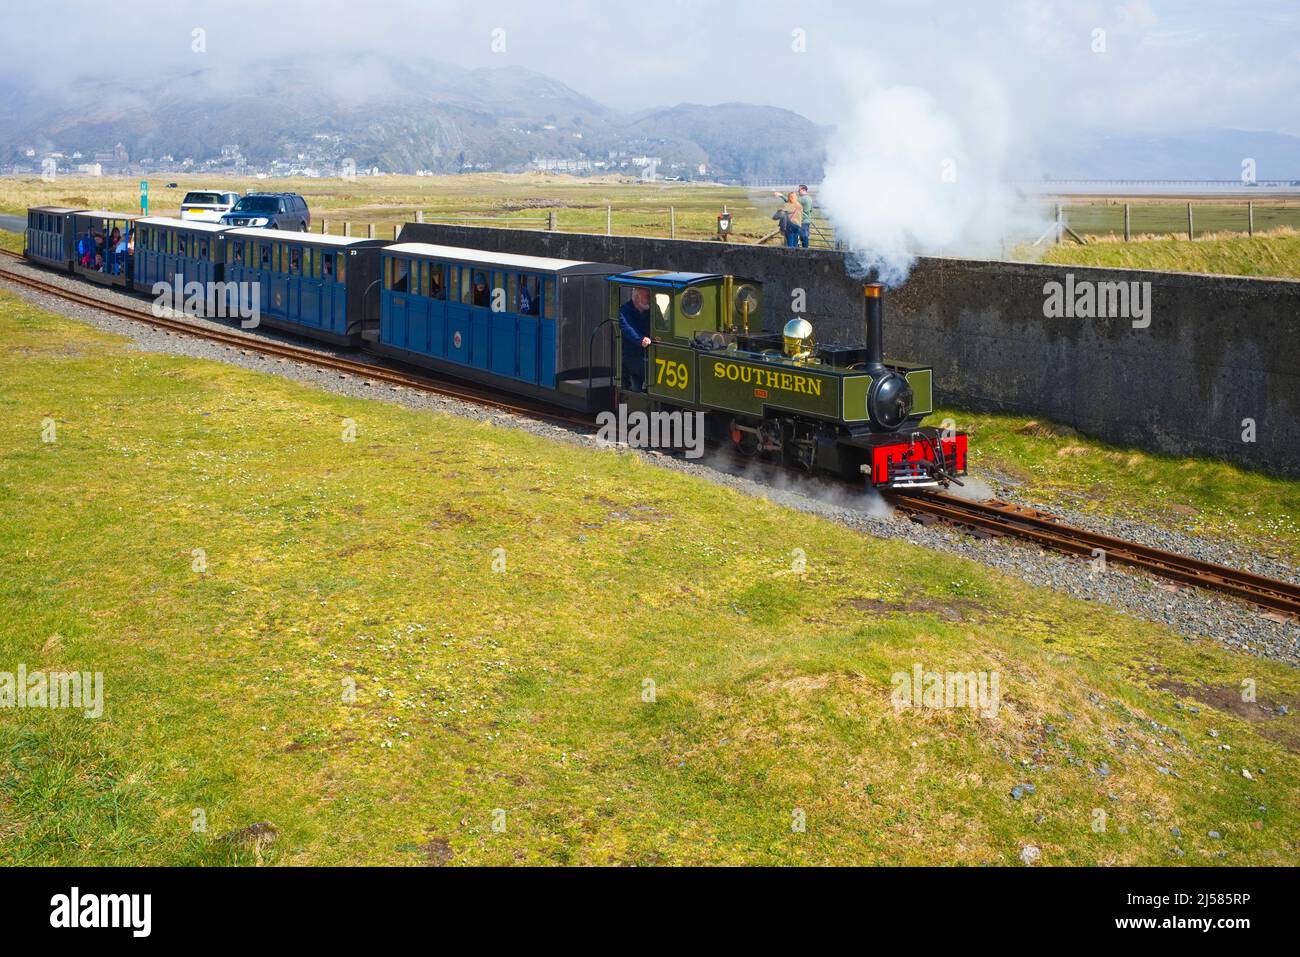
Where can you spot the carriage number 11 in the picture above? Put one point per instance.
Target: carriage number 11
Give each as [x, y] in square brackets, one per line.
[671, 374]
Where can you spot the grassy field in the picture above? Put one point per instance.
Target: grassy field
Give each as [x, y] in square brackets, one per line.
[307, 631]
[510, 200]
[526, 200]
[1169, 217]
[1276, 254]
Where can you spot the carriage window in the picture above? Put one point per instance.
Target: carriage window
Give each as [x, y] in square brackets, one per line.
[529, 300]
[203, 248]
[342, 265]
[423, 286]
[401, 275]
[237, 252]
[327, 265]
[295, 259]
[313, 262]
[512, 298]
[438, 280]
[551, 310]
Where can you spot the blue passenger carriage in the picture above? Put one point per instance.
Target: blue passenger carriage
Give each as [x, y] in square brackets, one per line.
[323, 287]
[103, 243]
[166, 248]
[49, 239]
[525, 323]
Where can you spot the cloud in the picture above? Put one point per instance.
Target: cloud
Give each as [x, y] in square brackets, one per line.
[1196, 57]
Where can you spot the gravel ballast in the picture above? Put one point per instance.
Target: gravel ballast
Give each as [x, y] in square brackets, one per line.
[1194, 613]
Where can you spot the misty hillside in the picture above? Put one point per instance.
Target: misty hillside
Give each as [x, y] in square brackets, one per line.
[399, 117]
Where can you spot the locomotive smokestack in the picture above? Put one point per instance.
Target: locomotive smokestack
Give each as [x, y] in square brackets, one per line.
[873, 315]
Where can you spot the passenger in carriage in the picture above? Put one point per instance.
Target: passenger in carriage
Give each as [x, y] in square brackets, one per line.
[528, 296]
[86, 249]
[110, 257]
[120, 247]
[481, 296]
[435, 283]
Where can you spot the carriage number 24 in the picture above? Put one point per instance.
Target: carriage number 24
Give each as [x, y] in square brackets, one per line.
[671, 374]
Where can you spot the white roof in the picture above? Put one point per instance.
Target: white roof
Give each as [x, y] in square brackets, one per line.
[181, 223]
[106, 214]
[461, 254]
[293, 236]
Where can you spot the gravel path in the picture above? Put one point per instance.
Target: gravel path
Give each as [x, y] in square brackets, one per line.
[1193, 613]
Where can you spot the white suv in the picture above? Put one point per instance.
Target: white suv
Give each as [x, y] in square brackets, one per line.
[205, 206]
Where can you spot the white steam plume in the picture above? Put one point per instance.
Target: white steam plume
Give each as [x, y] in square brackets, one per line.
[909, 175]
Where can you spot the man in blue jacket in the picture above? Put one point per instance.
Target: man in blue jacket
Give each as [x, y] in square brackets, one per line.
[634, 321]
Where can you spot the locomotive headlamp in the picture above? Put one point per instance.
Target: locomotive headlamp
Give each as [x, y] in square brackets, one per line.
[798, 335]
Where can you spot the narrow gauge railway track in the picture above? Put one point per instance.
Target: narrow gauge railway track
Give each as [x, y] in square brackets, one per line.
[281, 350]
[1035, 526]
[997, 517]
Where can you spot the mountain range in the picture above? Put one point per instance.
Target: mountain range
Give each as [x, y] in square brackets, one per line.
[399, 117]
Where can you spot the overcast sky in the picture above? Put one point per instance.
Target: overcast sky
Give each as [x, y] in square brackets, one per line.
[1155, 65]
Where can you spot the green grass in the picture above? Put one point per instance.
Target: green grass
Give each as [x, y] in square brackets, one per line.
[1154, 217]
[511, 200]
[1274, 255]
[522, 690]
[12, 241]
[1053, 464]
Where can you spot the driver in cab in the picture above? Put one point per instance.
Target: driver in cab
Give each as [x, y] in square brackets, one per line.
[634, 321]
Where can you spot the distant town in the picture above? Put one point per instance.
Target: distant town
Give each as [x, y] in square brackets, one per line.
[323, 157]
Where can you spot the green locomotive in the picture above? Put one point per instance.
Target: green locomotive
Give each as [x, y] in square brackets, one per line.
[827, 408]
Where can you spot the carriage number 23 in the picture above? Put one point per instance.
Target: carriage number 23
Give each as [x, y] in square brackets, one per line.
[671, 374]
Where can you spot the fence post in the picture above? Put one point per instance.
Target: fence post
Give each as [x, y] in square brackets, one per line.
[397, 228]
[550, 221]
[1250, 219]
[419, 215]
[370, 230]
[672, 222]
[1128, 234]
[347, 228]
[1060, 225]
[324, 227]
[1191, 233]
[609, 220]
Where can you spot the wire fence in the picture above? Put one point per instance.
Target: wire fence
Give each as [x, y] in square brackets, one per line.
[1067, 222]
[667, 222]
[1081, 221]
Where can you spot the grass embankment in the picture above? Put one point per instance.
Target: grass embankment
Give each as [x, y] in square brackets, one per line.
[1053, 464]
[1275, 254]
[327, 562]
